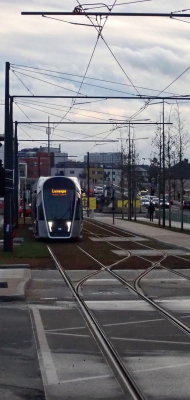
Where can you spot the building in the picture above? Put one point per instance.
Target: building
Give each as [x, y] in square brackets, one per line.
[71, 168]
[104, 158]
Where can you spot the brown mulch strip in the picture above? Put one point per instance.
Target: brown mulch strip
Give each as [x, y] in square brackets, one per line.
[175, 262]
[132, 262]
[105, 230]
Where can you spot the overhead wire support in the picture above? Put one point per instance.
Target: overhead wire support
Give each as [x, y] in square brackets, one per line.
[131, 97]
[108, 14]
[93, 123]
[72, 140]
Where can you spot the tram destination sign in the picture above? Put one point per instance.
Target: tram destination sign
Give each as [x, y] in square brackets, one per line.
[59, 192]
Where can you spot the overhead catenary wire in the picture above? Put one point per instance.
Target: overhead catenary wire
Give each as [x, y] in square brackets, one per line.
[102, 5]
[25, 86]
[68, 22]
[71, 112]
[53, 106]
[159, 93]
[99, 30]
[50, 83]
[42, 128]
[37, 69]
[126, 75]
[74, 81]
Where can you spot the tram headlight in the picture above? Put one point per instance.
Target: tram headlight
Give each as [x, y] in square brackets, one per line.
[68, 223]
[50, 225]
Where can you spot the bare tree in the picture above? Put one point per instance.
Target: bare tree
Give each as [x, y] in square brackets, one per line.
[181, 141]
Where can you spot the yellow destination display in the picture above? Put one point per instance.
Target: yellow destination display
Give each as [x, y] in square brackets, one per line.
[59, 192]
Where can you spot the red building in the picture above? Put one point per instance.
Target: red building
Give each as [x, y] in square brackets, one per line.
[38, 164]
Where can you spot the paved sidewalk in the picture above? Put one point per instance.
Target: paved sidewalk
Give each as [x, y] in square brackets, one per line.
[150, 230]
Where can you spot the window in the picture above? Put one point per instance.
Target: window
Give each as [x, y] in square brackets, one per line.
[72, 172]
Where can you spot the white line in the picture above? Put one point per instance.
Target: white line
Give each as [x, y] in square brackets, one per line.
[48, 364]
[86, 379]
[148, 340]
[135, 322]
[164, 367]
[67, 334]
[65, 329]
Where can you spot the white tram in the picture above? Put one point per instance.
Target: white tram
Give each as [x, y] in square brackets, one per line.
[57, 208]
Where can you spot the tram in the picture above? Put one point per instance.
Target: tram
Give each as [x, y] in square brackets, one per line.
[57, 208]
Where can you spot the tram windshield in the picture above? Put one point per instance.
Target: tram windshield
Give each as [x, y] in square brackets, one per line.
[59, 196]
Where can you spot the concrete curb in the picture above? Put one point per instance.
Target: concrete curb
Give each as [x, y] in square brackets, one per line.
[13, 282]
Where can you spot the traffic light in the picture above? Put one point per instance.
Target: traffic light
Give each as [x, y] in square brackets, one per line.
[2, 180]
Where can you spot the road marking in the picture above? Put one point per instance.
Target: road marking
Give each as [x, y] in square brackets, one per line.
[45, 354]
[67, 334]
[163, 367]
[135, 322]
[86, 379]
[65, 329]
[148, 340]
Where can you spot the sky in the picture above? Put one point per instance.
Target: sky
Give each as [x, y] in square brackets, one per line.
[66, 56]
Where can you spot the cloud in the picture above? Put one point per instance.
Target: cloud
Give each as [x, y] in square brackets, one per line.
[152, 52]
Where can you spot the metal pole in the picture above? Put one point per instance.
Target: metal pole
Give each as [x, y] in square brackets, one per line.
[108, 14]
[8, 164]
[16, 180]
[163, 172]
[113, 205]
[48, 130]
[88, 183]
[129, 176]
[160, 177]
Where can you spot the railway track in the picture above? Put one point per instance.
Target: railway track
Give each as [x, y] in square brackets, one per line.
[143, 338]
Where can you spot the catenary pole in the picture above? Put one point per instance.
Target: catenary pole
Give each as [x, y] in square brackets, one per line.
[16, 177]
[163, 167]
[8, 165]
[88, 182]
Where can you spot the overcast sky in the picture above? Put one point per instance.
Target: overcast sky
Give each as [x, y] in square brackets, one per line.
[135, 56]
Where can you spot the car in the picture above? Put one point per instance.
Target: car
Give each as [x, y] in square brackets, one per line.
[155, 201]
[145, 201]
[186, 204]
[167, 204]
[27, 212]
[98, 190]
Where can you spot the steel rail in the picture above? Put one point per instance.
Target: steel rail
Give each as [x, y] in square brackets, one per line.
[124, 378]
[176, 321]
[155, 263]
